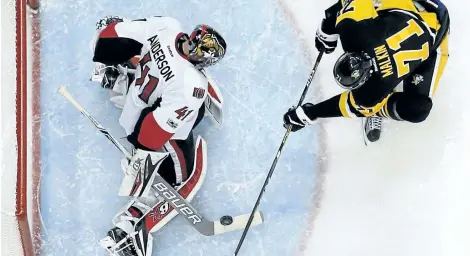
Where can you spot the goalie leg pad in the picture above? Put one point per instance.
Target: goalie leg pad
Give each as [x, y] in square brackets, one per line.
[140, 173]
[135, 222]
[162, 212]
[174, 165]
[179, 165]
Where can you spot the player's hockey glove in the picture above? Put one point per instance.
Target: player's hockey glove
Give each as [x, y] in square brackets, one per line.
[324, 39]
[297, 117]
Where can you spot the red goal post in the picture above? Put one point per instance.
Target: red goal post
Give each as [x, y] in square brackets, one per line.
[15, 229]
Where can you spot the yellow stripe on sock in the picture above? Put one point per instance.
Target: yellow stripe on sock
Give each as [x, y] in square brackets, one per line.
[343, 104]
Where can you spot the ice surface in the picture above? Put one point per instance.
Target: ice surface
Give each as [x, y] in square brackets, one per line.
[261, 76]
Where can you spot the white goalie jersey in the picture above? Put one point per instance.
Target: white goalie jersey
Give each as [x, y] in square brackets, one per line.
[164, 79]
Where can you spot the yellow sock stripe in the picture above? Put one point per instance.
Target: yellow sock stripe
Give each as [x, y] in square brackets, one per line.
[368, 111]
[343, 104]
[385, 108]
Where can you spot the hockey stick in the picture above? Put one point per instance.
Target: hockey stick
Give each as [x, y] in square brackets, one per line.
[278, 154]
[204, 226]
[171, 196]
[98, 126]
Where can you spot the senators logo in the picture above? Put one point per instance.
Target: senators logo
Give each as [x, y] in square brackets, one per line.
[210, 48]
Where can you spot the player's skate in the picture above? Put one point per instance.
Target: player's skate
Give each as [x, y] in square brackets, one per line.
[372, 126]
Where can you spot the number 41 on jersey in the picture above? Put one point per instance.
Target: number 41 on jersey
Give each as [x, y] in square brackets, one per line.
[183, 113]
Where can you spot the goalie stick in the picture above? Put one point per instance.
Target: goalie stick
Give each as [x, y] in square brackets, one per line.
[171, 196]
[278, 154]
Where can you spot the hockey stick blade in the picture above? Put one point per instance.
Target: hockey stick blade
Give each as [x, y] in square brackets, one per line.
[206, 227]
[201, 224]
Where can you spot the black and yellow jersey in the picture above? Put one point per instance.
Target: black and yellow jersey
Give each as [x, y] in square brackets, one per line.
[397, 37]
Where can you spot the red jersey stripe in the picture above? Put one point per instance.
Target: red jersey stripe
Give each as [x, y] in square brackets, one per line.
[151, 135]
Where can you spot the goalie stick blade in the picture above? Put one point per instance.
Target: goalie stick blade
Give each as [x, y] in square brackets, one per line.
[201, 224]
[239, 223]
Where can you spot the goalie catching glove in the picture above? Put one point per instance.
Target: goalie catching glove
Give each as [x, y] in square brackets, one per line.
[298, 118]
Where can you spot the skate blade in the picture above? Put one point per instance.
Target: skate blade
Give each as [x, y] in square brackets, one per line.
[364, 135]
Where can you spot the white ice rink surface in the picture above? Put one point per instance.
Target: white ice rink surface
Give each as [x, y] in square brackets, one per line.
[408, 194]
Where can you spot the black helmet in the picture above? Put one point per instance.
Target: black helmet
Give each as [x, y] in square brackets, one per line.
[352, 70]
[206, 46]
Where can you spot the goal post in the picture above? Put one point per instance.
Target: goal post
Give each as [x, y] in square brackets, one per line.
[15, 230]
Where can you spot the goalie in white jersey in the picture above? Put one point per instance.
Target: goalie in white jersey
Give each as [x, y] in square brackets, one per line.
[162, 98]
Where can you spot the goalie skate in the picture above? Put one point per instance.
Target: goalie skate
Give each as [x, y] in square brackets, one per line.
[118, 243]
[126, 238]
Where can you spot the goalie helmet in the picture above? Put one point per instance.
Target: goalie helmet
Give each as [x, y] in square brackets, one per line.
[352, 70]
[206, 46]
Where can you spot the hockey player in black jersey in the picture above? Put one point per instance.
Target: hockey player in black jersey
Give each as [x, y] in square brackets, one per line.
[386, 45]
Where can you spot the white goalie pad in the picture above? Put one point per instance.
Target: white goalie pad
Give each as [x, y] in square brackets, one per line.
[161, 213]
[214, 101]
[154, 218]
[140, 173]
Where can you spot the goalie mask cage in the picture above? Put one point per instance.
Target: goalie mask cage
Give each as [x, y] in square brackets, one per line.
[15, 230]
